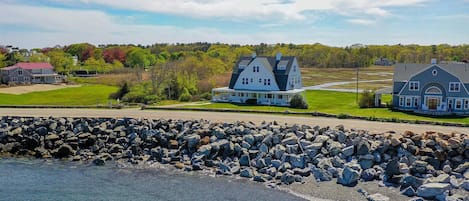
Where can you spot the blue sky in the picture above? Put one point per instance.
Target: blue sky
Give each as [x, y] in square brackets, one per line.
[43, 23]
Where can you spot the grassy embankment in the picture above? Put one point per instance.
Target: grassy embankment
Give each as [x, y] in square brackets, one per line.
[337, 103]
[77, 96]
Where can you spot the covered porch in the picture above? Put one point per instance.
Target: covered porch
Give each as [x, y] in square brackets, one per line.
[280, 98]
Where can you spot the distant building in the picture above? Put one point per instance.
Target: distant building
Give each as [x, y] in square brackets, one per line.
[383, 62]
[262, 80]
[30, 73]
[436, 89]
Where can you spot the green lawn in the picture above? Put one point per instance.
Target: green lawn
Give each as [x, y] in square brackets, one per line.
[338, 103]
[84, 95]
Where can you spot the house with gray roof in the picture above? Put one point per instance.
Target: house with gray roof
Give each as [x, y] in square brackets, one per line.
[435, 89]
[262, 80]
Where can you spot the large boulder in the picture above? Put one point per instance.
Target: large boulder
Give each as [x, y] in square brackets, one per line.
[349, 177]
[430, 190]
[64, 151]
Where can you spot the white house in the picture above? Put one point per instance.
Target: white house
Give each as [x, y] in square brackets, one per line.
[262, 80]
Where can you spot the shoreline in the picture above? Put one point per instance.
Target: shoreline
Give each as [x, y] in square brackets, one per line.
[295, 156]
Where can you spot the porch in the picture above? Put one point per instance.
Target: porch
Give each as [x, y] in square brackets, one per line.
[280, 98]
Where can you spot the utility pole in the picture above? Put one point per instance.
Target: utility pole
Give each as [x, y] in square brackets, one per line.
[356, 95]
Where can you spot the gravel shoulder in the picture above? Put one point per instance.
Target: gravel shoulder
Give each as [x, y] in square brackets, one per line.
[374, 127]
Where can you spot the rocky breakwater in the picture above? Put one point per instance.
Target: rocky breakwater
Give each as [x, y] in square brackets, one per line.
[429, 165]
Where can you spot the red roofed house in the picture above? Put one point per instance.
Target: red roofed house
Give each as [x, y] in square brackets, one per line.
[30, 73]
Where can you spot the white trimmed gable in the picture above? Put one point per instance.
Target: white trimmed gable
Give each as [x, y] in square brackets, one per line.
[257, 75]
[294, 77]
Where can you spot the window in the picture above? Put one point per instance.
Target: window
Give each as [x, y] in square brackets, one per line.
[466, 104]
[260, 80]
[450, 103]
[253, 69]
[265, 81]
[454, 87]
[20, 71]
[280, 96]
[13, 79]
[433, 90]
[294, 68]
[408, 102]
[416, 102]
[252, 80]
[434, 72]
[268, 81]
[458, 104]
[401, 101]
[414, 86]
[243, 81]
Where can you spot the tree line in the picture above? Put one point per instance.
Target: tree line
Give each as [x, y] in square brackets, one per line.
[186, 70]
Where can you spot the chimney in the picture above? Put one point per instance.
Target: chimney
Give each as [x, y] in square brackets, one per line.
[278, 56]
[253, 55]
[433, 61]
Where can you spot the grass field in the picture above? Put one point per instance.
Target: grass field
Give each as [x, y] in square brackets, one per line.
[338, 103]
[84, 95]
[316, 76]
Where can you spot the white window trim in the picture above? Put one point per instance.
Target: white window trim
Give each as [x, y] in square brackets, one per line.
[455, 84]
[460, 104]
[401, 101]
[414, 86]
[466, 103]
[408, 102]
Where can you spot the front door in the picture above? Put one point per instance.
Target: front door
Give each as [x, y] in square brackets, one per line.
[433, 103]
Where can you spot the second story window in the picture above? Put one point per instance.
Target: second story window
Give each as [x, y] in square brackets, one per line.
[454, 87]
[414, 86]
[20, 71]
[268, 81]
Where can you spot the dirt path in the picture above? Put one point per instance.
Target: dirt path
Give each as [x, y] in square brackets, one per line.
[375, 127]
[327, 86]
[34, 88]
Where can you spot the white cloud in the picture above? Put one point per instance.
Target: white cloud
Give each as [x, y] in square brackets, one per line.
[361, 21]
[254, 9]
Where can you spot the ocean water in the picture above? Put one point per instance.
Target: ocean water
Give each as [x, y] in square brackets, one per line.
[24, 179]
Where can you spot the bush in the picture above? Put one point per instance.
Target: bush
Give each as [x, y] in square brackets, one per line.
[206, 96]
[251, 101]
[343, 116]
[185, 95]
[134, 97]
[123, 90]
[151, 99]
[367, 99]
[297, 101]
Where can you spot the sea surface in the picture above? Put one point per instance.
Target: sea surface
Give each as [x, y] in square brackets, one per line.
[27, 179]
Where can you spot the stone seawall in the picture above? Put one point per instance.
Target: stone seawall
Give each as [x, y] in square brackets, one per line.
[428, 165]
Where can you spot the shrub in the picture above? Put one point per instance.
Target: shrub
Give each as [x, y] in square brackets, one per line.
[134, 97]
[123, 90]
[151, 99]
[206, 96]
[343, 116]
[251, 101]
[297, 101]
[367, 99]
[185, 95]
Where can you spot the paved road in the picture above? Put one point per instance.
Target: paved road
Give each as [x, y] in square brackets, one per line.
[376, 127]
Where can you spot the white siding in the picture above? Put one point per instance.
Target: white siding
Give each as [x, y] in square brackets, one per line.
[258, 78]
[294, 77]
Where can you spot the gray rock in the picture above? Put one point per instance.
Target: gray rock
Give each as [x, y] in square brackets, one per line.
[377, 197]
[302, 172]
[246, 172]
[276, 163]
[392, 168]
[279, 150]
[192, 141]
[290, 140]
[363, 147]
[442, 178]
[314, 146]
[244, 160]
[341, 137]
[320, 174]
[366, 163]
[348, 151]
[409, 191]
[369, 174]
[465, 185]
[264, 148]
[412, 181]
[287, 178]
[349, 177]
[430, 190]
[99, 162]
[297, 161]
[259, 178]
[334, 148]
[466, 174]
[321, 139]
[249, 139]
[205, 150]
[64, 151]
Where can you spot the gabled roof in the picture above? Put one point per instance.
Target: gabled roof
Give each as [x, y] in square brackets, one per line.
[403, 72]
[270, 63]
[30, 66]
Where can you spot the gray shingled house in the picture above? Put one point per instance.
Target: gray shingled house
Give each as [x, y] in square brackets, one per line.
[435, 89]
[263, 80]
[29, 73]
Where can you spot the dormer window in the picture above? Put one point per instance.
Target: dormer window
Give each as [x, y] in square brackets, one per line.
[414, 86]
[282, 65]
[20, 71]
[454, 87]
